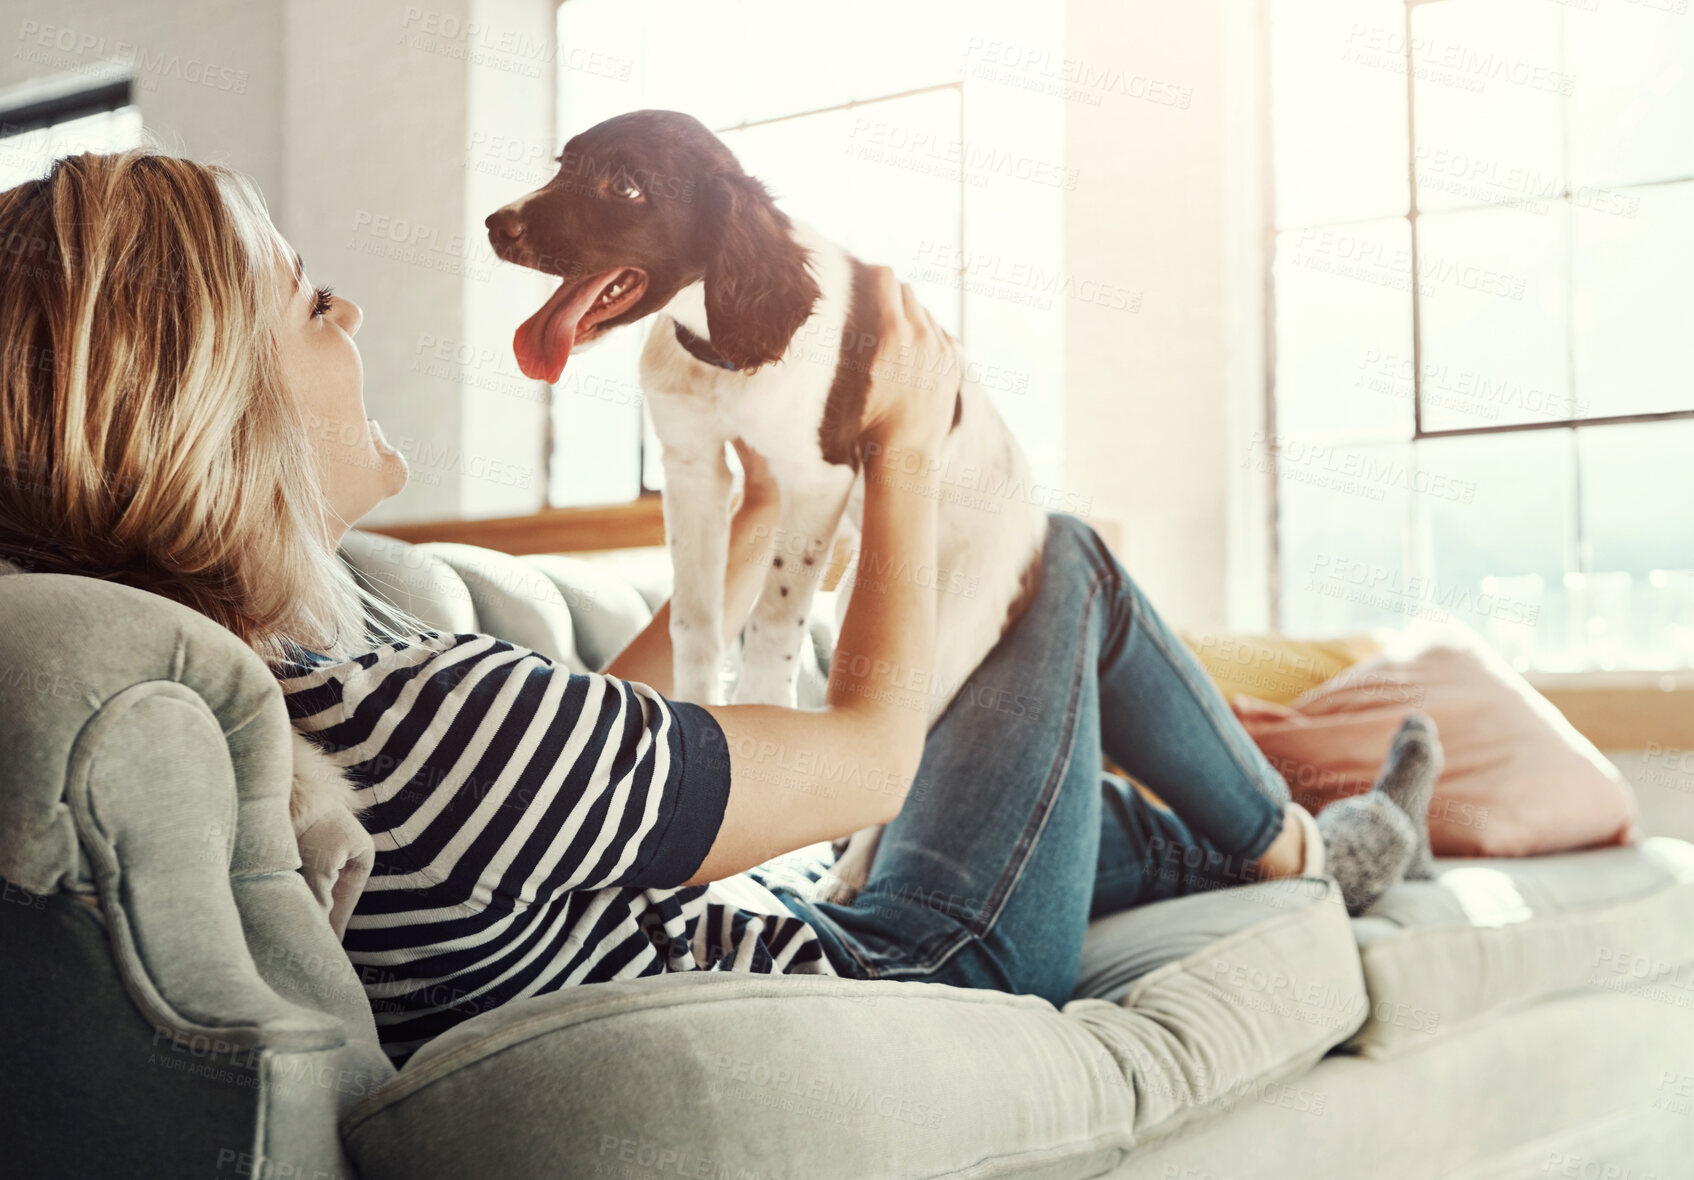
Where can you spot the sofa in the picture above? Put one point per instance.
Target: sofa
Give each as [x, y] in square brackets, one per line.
[176, 1003]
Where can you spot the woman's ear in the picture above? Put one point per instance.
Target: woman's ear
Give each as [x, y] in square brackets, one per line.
[759, 286]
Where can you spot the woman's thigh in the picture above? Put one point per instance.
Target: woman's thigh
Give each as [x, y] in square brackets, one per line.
[1010, 839]
[986, 876]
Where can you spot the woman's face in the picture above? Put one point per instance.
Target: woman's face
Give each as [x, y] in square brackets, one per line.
[322, 370]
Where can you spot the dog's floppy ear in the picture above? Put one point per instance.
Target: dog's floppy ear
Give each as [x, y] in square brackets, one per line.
[759, 288]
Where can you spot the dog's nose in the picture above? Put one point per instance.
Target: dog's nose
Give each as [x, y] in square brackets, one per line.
[503, 224]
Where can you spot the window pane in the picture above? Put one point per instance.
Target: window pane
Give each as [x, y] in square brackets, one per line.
[1487, 98]
[800, 51]
[870, 179]
[1632, 106]
[1338, 83]
[597, 416]
[930, 47]
[684, 51]
[1343, 320]
[1637, 486]
[29, 155]
[1014, 227]
[1495, 540]
[1343, 513]
[1492, 303]
[1633, 299]
[602, 65]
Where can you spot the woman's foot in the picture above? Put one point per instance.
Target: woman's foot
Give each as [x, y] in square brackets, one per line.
[1371, 841]
[1365, 843]
[1408, 778]
[1368, 842]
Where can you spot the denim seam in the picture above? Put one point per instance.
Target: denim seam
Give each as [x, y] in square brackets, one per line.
[1032, 830]
[846, 940]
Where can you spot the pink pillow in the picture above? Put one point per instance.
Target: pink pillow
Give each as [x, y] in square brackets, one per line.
[1519, 780]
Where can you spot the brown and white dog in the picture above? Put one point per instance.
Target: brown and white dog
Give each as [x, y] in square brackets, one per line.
[766, 333]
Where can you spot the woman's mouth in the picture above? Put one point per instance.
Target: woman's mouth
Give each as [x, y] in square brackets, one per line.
[571, 315]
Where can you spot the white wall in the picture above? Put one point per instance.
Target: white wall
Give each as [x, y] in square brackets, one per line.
[208, 75]
[387, 106]
[369, 128]
[1159, 401]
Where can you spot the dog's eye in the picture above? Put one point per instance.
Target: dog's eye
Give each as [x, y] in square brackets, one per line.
[623, 186]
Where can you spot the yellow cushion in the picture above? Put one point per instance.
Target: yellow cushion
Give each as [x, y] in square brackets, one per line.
[1274, 667]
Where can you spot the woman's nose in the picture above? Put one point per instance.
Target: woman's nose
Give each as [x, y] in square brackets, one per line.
[348, 316]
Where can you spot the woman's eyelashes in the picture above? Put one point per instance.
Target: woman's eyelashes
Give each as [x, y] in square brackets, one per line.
[322, 299]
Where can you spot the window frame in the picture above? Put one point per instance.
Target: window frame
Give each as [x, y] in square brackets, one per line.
[1272, 230]
[42, 113]
[957, 84]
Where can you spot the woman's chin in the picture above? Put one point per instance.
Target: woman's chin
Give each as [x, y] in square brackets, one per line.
[389, 461]
[395, 470]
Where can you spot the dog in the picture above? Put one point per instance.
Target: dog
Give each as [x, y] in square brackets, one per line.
[766, 333]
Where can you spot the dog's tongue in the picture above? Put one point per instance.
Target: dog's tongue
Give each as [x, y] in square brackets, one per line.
[543, 342]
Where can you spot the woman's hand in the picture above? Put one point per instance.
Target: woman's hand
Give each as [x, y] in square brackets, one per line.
[785, 764]
[915, 377]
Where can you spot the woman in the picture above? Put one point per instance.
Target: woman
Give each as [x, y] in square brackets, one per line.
[183, 412]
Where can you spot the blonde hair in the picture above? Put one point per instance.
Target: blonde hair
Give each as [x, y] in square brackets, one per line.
[145, 433]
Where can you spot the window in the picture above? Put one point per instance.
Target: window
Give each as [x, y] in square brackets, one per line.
[1483, 323]
[37, 130]
[889, 145]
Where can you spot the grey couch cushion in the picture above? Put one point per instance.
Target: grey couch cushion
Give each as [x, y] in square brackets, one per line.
[608, 612]
[413, 578]
[1487, 935]
[1120, 949]
[724, 1075]
[577, 612]
[1588, 1086]
[515, 600]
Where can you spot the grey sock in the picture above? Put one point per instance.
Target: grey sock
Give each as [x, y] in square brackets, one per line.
[1408, 778]
[1368, 842]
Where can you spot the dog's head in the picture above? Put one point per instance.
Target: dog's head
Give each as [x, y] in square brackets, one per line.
[643, 205]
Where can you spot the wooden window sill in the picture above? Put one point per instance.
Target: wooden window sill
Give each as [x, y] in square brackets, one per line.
[637, 524]
[1621, 711]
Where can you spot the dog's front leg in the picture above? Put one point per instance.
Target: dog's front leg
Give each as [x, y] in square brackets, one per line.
[799, 555]
[698, 486]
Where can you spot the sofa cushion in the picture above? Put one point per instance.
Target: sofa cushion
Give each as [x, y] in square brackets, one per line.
[1484, 936]
[515, 600]
[144, 809]
[1120, 949]
[412, 578]
[575, 611]
[606, 610]
[1274, 668]
[1517, 780]
[803, 1075]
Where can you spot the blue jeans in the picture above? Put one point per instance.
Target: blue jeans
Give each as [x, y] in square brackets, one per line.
[1012, 837]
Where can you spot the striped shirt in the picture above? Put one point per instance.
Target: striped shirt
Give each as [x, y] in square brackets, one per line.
[533, 831]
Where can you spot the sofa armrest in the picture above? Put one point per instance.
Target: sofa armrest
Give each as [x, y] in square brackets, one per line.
[147, 789]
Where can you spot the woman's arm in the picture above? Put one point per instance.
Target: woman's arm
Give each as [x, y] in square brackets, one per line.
[648, 656]
[797, 777]
[486, 755]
